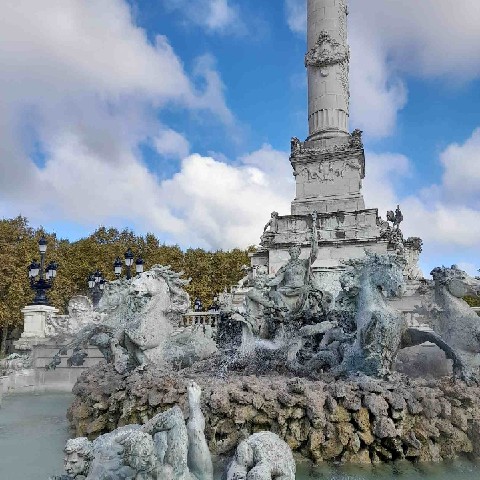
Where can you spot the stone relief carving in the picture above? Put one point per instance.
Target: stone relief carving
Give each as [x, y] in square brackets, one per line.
[458, 325]
[78, 457]
[355, 142]
[295, 146]
[15, 362]
[413, 248]
[326, 52]
[343, 10]
[396, 218]
[382, 331]
[80, 314]
[289, 287]
[165, 448]
[328, 171]
[356, 139]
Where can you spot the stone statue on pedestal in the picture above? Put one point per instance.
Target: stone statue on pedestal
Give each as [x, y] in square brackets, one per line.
[289, 285]
[270, 229]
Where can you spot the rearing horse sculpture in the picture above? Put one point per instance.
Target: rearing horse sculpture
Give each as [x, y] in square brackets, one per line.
[382, 331]
[452, 319]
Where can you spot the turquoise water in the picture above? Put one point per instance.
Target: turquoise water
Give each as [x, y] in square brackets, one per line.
[459, 470]
[33, 431]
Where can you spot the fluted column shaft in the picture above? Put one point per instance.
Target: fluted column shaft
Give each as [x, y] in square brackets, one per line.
[327, 62]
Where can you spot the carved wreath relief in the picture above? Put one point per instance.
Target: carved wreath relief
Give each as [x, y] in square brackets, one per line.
[326, 52]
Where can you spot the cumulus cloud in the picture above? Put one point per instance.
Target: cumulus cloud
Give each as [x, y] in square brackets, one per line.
[461, 178]
[82, 88]
[226, 206]
[382, 173]
[170, 143]
[447, 215]
[296, 12]
[215, 16]
[389, 40]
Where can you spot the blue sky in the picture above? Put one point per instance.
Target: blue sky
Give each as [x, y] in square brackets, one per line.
[175, 116]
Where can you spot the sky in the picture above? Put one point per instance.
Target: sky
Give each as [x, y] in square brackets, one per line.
[175, 116]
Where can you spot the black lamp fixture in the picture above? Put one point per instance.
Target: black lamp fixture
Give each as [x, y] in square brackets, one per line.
[129, 260]
[96, 284]
[45, 276]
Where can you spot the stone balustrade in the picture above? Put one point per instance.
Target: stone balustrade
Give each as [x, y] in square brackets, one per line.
[200, 318]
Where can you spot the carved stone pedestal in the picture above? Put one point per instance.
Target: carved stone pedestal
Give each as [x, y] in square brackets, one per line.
[35, 320]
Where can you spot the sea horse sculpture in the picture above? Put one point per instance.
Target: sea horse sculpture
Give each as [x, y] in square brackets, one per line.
[452, 319]
[379, 328]
[382, 331]
[138, 324]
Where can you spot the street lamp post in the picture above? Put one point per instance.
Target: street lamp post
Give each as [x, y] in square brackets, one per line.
[45, 276]
[129, 260]
[96, 284]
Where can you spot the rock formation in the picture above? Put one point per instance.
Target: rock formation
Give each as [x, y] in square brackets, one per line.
[360, 420]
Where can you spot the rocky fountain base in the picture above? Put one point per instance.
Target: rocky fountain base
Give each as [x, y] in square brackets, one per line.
[361, 420]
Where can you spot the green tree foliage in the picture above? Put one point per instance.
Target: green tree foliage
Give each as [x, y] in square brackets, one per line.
[473, 301]
[210, 272]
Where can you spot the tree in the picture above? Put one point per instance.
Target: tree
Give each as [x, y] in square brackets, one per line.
[17, 247]
[211, 272]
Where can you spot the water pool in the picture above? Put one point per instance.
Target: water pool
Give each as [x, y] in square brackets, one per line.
[33, 432]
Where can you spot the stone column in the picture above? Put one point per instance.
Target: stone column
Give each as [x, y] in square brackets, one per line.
[327, 62]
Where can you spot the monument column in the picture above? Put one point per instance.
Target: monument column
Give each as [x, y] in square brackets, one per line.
[330, 165]
[327, 62]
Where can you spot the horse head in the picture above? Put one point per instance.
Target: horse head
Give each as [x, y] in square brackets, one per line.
[382, 272]
[457, 282]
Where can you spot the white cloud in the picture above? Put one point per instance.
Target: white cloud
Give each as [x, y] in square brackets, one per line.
[81, 185]
[446, 216]
[82, 88]
[226, 206]
[389, 40]
[427, 38]
[296, 12]
[215, 16]
[171, 144]
[461, 179]
[377, 93]
[382, 174]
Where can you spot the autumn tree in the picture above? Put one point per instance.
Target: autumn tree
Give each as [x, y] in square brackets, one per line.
[211, 272]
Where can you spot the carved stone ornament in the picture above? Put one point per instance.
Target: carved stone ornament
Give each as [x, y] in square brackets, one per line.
[328, 171]
[326, 52]
[295, 146]
[356, 139]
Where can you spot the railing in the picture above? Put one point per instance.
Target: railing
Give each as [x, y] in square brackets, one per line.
[191, 319]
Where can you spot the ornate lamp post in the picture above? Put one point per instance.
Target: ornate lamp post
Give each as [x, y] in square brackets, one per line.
[96, 284]
[45, 276]
[129, 259]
